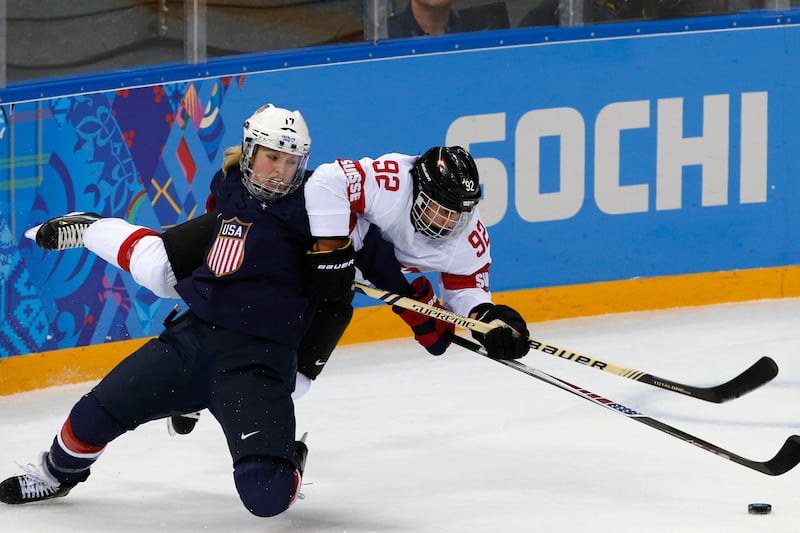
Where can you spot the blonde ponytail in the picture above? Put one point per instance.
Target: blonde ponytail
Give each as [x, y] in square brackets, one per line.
[231, 158]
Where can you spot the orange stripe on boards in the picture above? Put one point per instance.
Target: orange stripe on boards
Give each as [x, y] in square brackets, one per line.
[61, 367]
[28, 372]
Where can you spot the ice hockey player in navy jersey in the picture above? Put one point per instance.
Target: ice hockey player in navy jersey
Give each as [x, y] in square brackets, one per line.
[234, 351]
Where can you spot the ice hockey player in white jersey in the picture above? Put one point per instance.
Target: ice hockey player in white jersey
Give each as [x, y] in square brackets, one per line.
[426, 207]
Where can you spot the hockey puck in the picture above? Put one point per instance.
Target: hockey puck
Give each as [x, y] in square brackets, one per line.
[759, 508]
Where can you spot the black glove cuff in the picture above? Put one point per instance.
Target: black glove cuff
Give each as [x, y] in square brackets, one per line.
[331, 273]
[486, 312]
[480, 311]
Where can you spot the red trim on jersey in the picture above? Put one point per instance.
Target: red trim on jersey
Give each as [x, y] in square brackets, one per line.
[74, 445]
[355, 175]
[211, 203]
[126, 248]
[476, 280]
[297, 479]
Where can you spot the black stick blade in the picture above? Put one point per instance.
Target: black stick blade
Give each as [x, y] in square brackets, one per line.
[787, 458]
[761, 372]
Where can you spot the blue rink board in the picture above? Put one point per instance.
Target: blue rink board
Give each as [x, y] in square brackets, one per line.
[612, 156]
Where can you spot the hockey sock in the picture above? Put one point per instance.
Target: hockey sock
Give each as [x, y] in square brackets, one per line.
[82, 439]
[114, 240]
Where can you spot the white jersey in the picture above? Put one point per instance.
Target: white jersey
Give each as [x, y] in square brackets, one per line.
[345, 197]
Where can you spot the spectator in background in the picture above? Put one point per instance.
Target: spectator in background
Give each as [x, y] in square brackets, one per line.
[437, 17]
[546, 13]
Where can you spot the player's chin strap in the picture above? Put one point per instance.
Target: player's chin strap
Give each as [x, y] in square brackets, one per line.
[761, 372]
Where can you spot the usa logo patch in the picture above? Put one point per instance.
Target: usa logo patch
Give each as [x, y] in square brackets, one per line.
[227, 253]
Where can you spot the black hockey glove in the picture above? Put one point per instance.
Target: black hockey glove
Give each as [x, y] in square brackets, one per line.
[501, 342]
[331, 273]
[432, 334]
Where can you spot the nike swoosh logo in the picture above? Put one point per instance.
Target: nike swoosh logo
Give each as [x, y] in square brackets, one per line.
[248, 435]
[319, 363]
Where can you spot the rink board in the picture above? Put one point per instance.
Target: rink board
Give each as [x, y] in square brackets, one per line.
[616, 176]
[90, 363]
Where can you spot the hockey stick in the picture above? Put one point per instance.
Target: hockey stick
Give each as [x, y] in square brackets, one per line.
[787, 457]
[761, 372]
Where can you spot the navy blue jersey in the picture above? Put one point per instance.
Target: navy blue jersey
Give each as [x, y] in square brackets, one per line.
[254, 276]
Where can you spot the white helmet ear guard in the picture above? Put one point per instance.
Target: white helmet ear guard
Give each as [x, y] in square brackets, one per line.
[278, 129]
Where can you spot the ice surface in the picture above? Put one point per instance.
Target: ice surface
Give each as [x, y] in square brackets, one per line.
[401, 441]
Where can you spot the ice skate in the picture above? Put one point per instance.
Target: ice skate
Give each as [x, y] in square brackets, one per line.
[182, 424]
[64, 232]
[36, 483]
[301, 451]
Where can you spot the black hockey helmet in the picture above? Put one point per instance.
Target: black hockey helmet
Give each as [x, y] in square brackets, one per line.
[446, 191]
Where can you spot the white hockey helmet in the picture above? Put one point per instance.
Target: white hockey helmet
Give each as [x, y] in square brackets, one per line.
[277, 129]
